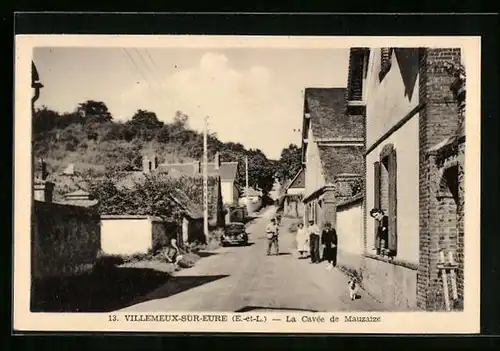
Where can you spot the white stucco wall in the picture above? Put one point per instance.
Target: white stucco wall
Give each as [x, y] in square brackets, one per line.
[254, 202]
[295, 191]
[313, 178]
[350, 228]
[125, 236]
[227, 192]
[386, 102]
[386, 105]
[406, 143]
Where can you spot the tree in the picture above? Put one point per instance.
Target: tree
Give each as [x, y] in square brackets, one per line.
[149, 197]
[290, 162]
[144, 125]
[144, 119]
[92, 111]
[181, 119]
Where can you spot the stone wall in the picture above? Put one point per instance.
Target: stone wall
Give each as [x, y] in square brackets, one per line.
[65, 239]
[393, 283]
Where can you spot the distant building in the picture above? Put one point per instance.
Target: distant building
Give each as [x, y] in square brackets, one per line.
[226, 171]
[254, 199]
[293, 195]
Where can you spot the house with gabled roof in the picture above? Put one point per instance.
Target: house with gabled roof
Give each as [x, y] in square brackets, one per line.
[332, 152]
[227, 172]
[293, 194]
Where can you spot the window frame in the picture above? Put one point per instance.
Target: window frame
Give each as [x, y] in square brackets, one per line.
[388, 152]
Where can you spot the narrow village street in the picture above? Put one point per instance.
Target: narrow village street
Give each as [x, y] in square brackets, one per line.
[240, 279]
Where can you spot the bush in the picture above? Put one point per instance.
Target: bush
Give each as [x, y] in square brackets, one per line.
[188, 260]
[213, 241]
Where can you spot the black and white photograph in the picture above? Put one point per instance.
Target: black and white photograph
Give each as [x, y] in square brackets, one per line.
[247, 183]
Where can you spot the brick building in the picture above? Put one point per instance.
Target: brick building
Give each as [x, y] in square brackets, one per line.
[332, 147]
[413, 158]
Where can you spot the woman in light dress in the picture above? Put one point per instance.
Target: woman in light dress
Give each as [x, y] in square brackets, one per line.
[302, 241]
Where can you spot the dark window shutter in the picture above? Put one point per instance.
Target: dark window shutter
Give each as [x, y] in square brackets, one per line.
[385, 62]
[376, 198]
[393, 203]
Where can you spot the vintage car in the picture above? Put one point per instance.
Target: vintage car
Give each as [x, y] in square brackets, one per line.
[234, 233]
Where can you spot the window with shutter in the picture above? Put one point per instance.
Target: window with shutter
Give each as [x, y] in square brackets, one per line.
[385, 62]
[393, 238]
[376, 200]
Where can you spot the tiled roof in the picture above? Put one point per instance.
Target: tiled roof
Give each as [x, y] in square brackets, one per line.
[328, 119]
[299, 180]
[186, 168]
[192, 209]
[227, 170]
[78, 193]
[336, 160]
[78, 202]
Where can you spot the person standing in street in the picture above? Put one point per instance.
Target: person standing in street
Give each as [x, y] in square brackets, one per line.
[314, 233]
[329, 244]
[302, 240]
[272, 233]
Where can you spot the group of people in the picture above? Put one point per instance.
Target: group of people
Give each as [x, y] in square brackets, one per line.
[310, 238]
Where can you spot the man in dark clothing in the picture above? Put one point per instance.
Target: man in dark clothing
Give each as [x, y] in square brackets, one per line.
[383, 230]
[313, 230]
[329, 243]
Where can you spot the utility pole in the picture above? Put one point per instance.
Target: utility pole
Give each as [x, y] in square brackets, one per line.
[205, 180]
[246, 185]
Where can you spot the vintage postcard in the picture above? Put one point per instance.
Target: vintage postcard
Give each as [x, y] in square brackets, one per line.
[247, 184]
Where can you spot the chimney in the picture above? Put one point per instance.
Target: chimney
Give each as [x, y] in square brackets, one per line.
[41, 170]
[146, 164]
[197, 167]
[217, 160]
[43, 190]
[155, 162]
[70, 170]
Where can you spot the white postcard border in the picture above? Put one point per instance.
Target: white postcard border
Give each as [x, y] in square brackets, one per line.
[390, 322]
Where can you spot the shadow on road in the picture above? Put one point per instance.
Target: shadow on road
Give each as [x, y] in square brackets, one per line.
[111, 289]
[101, 290]
[203, 254]
[250, 219]
[275, 309]
[176, 285]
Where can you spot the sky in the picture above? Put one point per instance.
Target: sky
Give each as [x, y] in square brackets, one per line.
[251, 95]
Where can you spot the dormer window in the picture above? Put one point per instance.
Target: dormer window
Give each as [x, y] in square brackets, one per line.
[385, 62]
